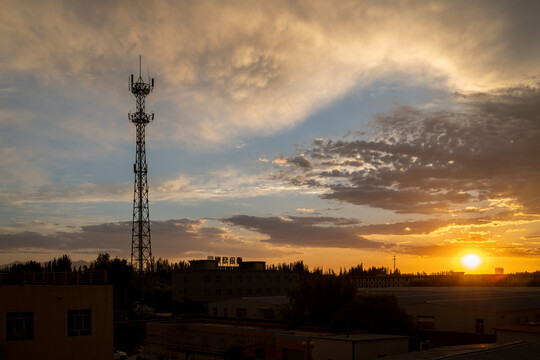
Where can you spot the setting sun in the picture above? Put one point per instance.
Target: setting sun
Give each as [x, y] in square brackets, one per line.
[471, 261]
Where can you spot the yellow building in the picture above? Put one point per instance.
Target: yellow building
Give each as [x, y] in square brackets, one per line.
[57, 320]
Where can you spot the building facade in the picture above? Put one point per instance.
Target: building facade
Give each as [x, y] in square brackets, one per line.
[59, 320]
[204, 281]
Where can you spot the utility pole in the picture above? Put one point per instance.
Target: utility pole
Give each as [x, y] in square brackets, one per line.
[141, 249]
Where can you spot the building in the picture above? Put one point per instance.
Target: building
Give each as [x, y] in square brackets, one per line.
[380, 281]
[212, 339]
[56, 316]
[469, 310]
[258, 308]
[205, 281]
[529, 333]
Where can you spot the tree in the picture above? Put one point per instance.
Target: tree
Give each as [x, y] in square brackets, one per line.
[332, 302]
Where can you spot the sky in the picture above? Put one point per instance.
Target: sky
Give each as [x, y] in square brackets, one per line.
[336, 133]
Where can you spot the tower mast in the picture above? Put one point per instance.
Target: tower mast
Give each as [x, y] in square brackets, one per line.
[141, 249]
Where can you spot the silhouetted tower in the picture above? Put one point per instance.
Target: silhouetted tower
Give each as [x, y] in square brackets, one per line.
[141, 249]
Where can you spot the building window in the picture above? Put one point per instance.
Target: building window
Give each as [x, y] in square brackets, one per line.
[218, 292]
[241, 313]
[479, 326]
[218, 278]
[207, 292]
[277, 291]
[249, 291]
[239, 292]
[225, 312]
[228, 292]
[79, 322]
[215, 311]
[19, 326]
[207, 278]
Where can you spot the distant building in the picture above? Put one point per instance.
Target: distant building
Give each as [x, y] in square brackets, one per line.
[259, 308]
[380, 281]
[470, 310]
[56, 316]
[205, 281]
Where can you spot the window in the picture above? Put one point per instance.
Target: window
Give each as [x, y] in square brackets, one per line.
[218, 292]
[79, 322]
[228, 292]
[218, 278]
[239, 292]
[215, 311]
[225, 313]
[19, 326]
[241, 313]
[479, 326]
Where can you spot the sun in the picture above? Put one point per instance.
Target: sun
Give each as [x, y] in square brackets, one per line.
[471, 261]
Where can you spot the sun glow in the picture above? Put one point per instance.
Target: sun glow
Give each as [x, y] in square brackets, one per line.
[471, 261]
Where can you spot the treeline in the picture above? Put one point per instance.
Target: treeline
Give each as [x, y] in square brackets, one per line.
[119, 275]
[357, 270]
[161, 267]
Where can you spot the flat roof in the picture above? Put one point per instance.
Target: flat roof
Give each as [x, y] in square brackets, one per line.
[493, 299]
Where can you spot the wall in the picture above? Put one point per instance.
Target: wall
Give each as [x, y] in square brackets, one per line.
[50, 305]
[459, 319]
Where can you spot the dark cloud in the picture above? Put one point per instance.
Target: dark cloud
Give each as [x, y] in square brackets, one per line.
[420, 161]
[306, 231]
[170, 239]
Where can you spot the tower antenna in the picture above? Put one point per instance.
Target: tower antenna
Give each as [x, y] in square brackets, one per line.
[141, 249]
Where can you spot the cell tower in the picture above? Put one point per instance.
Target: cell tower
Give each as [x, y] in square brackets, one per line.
[141, 249]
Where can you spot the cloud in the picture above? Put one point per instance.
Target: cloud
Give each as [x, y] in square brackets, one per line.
[452, 250]
[306, 231]
[241, 67]
[179, 238]
[479, 156]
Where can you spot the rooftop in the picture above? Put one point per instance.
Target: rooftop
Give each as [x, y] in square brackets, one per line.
[494, 299]
[97, 277]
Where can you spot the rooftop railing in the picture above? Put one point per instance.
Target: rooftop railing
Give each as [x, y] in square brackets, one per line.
[96, 277]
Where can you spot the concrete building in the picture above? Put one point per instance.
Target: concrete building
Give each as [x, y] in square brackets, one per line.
[56, 316]
[256, 308]
[205, 281]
